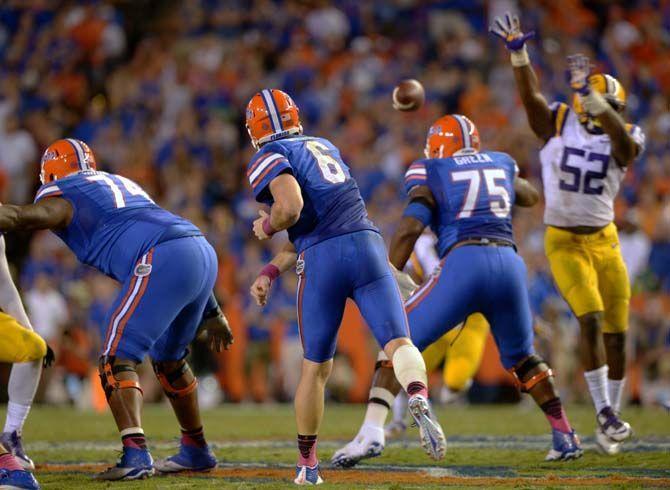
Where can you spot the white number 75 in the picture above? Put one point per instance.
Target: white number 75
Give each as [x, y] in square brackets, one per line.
[499, 207]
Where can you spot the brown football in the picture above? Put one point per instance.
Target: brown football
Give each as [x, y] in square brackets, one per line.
[408, 95]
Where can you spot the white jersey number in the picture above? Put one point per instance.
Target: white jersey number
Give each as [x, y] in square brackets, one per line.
[499, 200]
[330, 167]
[131, 187]
[592, 182]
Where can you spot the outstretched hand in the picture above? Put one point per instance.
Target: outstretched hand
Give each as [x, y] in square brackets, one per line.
[509, 30]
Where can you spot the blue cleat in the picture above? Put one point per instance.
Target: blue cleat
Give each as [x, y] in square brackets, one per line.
[566, 446]
[17, 479]
[306, 475]
[135, 464]
[12, 441]
[189, 458]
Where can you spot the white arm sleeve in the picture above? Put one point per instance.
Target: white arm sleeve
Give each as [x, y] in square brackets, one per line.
[10, 301]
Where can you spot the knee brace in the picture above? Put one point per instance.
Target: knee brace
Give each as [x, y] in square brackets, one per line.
[523, 376]
[167, 379]
[108, 368]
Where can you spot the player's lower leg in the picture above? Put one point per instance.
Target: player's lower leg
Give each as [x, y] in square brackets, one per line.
[12, 473]
[121, 384]
[611, 429]
[370, 440]
[535, 377]
[615, 350]
[180, 386]
[410, 371]
[21, 389]
[309, 407]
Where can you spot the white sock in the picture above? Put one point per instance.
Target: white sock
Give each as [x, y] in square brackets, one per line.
[400, 407]
[377, 410]
[409, 366]
[21, 388]
[16, 416]
[615, 389]
[597, 382]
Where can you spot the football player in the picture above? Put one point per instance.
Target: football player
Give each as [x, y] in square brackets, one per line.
[587, 149]
[20, 345]
[167, 269]
[25, 374]
[340, 255]
[459, 351]
[466, 197]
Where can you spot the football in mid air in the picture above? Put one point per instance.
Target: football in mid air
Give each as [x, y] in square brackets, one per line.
[408, 95]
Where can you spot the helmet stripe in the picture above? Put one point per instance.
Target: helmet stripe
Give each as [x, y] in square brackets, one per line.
[464, 130]
[79, 151]
[272, 110]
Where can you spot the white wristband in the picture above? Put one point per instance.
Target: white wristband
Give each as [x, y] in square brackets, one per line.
[594, 103]
[520, 57]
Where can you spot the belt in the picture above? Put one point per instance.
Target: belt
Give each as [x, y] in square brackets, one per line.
[484, 242]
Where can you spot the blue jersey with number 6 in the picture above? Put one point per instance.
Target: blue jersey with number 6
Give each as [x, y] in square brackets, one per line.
[114, 222]
[332, 201]
[474, 193]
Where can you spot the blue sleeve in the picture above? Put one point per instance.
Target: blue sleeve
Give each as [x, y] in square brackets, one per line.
[48, 190]
[420, 211]
[264, 167]
[416, 175]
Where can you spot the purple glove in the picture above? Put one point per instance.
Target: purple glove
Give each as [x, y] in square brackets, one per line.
[509, 30]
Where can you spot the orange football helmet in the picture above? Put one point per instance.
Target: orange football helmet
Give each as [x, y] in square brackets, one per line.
[450, 134]
[271, 114]
[65, 157]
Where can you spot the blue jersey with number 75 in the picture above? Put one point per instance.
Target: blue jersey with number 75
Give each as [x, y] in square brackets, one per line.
[114, 221]
[332, 201]
[474, 192]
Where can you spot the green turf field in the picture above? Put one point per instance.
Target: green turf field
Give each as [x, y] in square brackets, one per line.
[488, 446]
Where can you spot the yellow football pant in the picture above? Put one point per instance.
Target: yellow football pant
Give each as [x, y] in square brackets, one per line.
[18, 343]
[461, 349]
[591, 274]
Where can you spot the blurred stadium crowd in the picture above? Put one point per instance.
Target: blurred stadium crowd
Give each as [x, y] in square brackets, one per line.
[158, 90]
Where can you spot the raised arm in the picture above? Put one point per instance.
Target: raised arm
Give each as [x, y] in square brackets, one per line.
[48, 214]
[285, 210]
[416, 217]
[525, 194]
[539, 113]
[624, 148]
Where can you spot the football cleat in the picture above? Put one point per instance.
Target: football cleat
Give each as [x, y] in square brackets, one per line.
[189, 458]
[135, 464]
[566, 445]
[368, 443]
[433, 441]
[17, 479]
[306, 475]
[605, 445]
[612, 426]
[395, 429]
[12, 441]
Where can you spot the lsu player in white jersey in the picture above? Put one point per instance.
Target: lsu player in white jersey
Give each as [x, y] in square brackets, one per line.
[587, 150]
[459, 351]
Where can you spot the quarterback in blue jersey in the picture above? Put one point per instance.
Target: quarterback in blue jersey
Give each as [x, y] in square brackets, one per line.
[466, 197]
[340, 255]
[167, 270]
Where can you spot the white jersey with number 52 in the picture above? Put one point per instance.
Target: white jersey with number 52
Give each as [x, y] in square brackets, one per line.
[581, 179]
